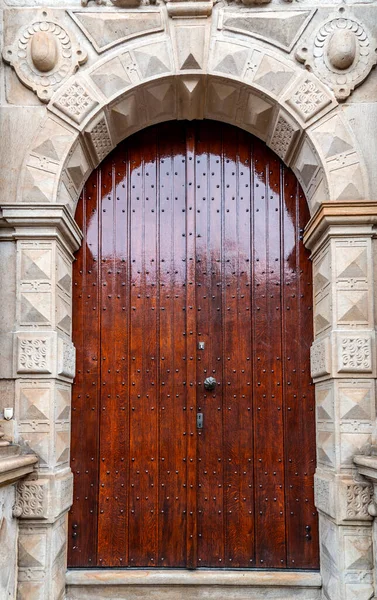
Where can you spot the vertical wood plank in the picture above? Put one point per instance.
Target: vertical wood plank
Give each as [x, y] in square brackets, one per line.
[191, 459]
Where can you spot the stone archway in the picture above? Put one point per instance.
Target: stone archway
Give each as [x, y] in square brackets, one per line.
[149, 81]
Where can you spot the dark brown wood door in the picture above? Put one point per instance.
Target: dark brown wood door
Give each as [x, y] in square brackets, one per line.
[192, 267]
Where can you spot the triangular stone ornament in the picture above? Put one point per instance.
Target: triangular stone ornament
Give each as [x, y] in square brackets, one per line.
[352, 262]
[279, 28]
[233, 63]
[355, 404]
[321, 322]
[34, 183]
[35, 264]
[107, 29]
[47, 148]
[190, 99]
[191, 84]
[190, 63]
[31, 313]
[152, 60]
[124, 116]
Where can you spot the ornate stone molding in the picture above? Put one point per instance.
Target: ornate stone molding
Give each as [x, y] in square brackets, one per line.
[320, 358]
[341, 52]
[34, 354]
[67, 358]
[355, 354]
[30, 500]
[44, 54]
[43, 498]
[358, 497]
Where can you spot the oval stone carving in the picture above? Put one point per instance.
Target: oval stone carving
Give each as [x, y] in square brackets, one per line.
[341, 49]
[44, 52]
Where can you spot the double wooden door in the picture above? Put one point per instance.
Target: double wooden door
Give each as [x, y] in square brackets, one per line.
[193, 267]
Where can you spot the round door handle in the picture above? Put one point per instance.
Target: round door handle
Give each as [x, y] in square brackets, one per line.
[210, 383]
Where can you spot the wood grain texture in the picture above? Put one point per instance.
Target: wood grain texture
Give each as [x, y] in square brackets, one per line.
[193, 232]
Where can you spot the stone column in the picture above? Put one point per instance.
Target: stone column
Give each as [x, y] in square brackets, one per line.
[44, 238]
[367, 467]
[343, 368]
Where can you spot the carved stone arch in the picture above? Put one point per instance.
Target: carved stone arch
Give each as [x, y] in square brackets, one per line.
[157, 80]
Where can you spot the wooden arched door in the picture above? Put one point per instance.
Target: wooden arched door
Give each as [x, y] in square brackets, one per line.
[193, 267]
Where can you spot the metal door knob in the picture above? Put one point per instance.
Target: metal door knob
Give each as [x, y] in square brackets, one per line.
[210, 383]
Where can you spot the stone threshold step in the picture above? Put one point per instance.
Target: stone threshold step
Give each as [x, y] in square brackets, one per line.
[103, 584]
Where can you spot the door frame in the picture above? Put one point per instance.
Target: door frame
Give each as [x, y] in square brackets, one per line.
[343, 356]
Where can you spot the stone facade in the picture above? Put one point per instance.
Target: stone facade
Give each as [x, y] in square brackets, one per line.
[80, 77]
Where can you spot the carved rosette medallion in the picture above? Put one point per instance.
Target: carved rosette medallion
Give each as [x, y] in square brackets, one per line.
[44, 55]
[341, 53]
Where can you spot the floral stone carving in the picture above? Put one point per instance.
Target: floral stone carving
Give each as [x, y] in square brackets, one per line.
[341, 53]
[44, 54]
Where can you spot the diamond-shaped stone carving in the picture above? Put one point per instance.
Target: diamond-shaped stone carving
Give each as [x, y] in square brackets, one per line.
[333, 137]
[36, 308]
[111, 78]
[64, 279]
[358, 550]
[229, 58]
[160, 100]
[308, 98]
[258, 115]
[52, 141]
[190, 97]
[78, 167]
[325, 403]
[76, 102]
[347, 182]
[38, 185]
[34, 403]
[32, 550]
[351, 262]
[62, 446]
[152, 60]
[272, 75]
[326, 448]
[222, 98]
[35, 264]
[124, 116]
[62, 403]
[353, 307]
[306, 165]
[322, 314]
[321, 273]
[355, 403]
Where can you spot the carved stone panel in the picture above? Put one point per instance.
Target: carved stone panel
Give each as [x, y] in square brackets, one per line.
[355, 353]
[341, 52]
[320, 358]
[44, 54]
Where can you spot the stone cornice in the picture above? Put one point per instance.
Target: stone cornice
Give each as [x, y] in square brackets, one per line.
[337, 217]
[40, 221]
[13, 468]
